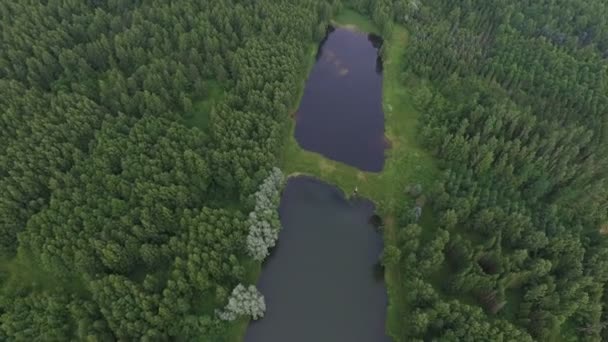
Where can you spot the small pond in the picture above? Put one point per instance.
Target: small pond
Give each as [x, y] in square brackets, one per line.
[321, 282]
[340, 115]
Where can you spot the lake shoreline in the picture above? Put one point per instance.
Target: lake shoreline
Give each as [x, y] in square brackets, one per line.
[406, 162]
[340, 296]
[328, 103]
[340, 114]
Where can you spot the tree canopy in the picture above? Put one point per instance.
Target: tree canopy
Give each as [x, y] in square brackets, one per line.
[514, 108]
[117, 220]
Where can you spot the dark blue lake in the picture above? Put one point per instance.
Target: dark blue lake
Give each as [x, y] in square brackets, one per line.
[340, 115]
[321, 282]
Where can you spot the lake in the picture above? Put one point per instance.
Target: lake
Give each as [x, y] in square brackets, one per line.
[321, 282]
[340, 114]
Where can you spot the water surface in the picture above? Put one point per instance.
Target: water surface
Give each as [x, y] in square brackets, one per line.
[341, 115]
[321, 282]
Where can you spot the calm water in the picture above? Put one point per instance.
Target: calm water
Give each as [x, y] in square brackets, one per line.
[321, 283]
[340, 115]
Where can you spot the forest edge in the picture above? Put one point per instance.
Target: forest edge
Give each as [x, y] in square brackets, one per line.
[406, 162]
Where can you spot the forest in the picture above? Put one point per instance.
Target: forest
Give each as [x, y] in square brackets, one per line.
[513, 105]
[121, 218]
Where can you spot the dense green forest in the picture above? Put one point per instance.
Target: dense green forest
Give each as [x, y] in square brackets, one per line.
[122, 219]
[513, 96]
[117, 219]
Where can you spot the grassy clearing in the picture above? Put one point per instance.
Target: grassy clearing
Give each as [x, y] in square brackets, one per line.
[351, 19]
[24, 273]
[407, 163]
[201, 109]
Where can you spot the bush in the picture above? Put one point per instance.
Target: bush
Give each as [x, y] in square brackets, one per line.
[264, 224]
[244, 301]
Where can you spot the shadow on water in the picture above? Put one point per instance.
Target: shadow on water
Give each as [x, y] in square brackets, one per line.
[376, 221]
[379, 271]
[323, 282]
[376, 40]
[319, 54]
[379, 67]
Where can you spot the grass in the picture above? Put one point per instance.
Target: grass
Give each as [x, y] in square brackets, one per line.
[201, 109]
[349, 18]
[23, 273]
[406, 163]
